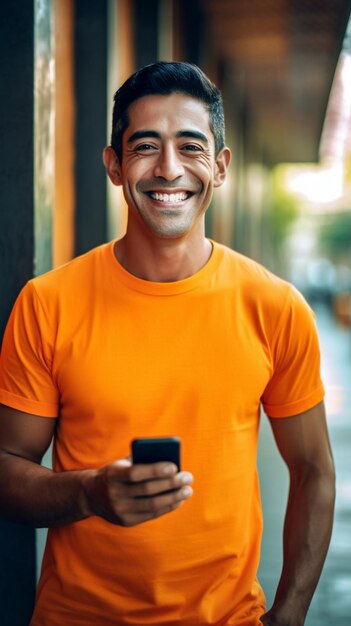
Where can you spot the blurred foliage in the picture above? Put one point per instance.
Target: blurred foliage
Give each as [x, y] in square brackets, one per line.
[335, 236]
[284, 209]
[347, 169]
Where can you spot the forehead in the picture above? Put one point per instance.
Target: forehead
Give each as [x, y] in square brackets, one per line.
[168, 115]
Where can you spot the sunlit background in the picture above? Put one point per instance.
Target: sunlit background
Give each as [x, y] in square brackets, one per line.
[315, 254]
[284, 68]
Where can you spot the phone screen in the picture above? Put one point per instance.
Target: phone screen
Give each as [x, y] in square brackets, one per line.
[156, 449]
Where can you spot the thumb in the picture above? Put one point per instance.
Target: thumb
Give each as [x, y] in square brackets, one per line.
[119, 470]
[126, 462]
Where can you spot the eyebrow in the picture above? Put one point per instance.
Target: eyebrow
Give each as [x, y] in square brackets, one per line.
[192, 134]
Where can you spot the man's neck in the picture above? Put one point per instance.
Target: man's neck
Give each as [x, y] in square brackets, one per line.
[163, 260]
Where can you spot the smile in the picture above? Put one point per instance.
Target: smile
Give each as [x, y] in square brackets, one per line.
[171, 198]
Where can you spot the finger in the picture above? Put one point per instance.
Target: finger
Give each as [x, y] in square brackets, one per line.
[124, 508]
[123, 470]
[142, 472]
[152, 487]
[159, 502]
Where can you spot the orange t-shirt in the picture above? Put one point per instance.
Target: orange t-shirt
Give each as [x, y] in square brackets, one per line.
[117, 357]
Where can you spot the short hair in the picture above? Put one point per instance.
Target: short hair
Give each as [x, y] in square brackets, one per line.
[165, 78]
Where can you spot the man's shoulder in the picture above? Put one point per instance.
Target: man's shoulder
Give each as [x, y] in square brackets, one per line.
[248, 273]
[272, 303]
[75, 274]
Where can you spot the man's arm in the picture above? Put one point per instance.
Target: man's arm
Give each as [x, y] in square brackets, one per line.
[304, 445]
[32, 494]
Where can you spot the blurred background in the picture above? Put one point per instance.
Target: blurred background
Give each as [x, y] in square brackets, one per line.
[284, 68]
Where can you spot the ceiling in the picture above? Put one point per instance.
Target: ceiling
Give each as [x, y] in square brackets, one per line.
[281, 57]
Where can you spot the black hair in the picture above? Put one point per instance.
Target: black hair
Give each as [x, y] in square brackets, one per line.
[165, 78]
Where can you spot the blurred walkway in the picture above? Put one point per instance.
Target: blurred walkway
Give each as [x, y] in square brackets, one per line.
[332, 601]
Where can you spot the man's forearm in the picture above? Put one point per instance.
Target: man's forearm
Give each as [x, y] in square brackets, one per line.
[307, 532]
[32, 494]
[120, 493]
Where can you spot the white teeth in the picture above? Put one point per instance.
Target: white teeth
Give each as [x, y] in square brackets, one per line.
[172, 198]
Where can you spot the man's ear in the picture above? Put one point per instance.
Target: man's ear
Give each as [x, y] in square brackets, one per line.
[223, 159]
[112, 165]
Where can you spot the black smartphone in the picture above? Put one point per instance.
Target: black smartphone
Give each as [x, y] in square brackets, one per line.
[155, 449]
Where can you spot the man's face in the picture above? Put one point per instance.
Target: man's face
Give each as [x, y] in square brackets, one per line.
[168, 168]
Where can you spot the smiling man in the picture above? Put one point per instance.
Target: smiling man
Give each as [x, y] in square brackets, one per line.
[164, 332]
[169, 168]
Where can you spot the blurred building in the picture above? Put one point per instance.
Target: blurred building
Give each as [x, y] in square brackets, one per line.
[62, 60]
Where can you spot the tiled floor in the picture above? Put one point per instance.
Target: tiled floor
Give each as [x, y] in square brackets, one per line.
[332, 601]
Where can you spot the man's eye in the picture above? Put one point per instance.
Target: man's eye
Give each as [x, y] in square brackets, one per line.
[144, 147]
[191, 147]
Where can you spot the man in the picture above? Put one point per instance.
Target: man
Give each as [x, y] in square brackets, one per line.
[164, 332]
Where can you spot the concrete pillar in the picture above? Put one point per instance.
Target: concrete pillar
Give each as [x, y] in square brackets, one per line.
[17, 542]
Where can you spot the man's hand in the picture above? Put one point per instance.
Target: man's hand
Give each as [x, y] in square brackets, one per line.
[272, 618]
[268, 620]
[127, 494]
[120, 492]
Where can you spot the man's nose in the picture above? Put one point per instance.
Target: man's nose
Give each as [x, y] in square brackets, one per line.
[169, 165]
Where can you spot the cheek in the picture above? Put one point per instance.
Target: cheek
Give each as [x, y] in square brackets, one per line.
[135, 169]
[206, 160]
[203, 170]
[208, 182]
[128, 192]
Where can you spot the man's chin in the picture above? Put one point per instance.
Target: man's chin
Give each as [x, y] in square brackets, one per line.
[171, 234]
[170, 230]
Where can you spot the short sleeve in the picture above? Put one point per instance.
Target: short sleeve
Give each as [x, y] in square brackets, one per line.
[26, 383]
[295, 385]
